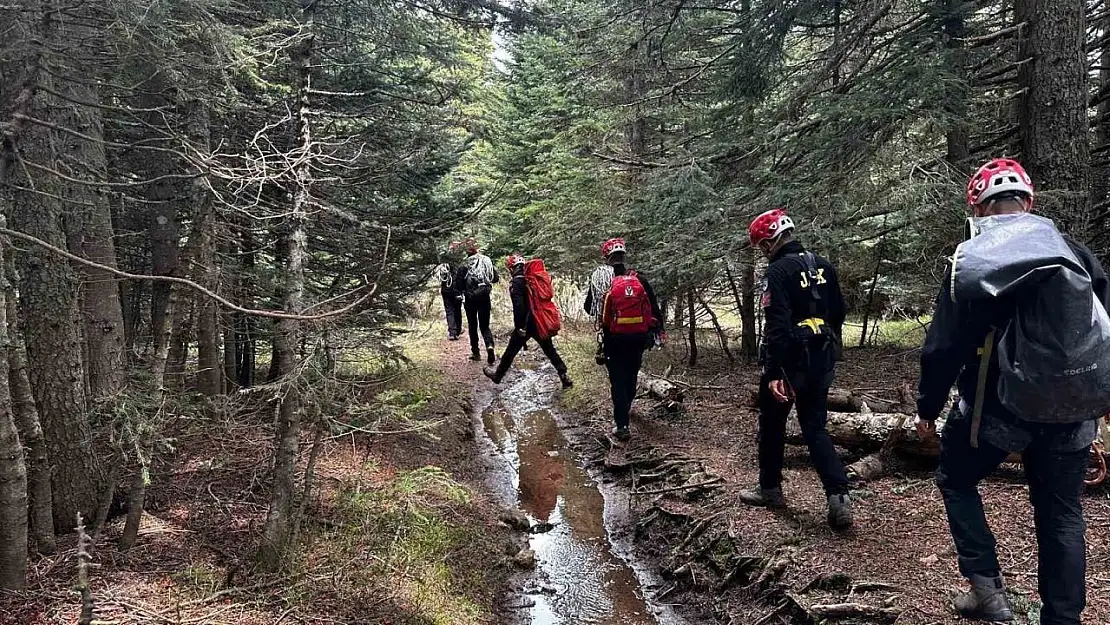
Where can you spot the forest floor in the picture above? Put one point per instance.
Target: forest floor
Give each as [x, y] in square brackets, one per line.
[398, 529]
[729, 563]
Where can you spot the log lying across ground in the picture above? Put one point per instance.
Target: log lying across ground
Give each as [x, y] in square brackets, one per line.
[844, 400]
[666, 393]
[869, 432]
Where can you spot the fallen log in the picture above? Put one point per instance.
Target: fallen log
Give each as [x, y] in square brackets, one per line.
[666, 393]
[844, 400]
[869, 432]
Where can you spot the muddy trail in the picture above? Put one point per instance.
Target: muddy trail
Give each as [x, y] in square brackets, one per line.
[579, 529]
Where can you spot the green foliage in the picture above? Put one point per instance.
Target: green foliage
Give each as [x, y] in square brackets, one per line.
[408, 529]
[673, 125]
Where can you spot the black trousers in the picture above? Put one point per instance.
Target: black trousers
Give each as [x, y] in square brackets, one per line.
[624, 357]
[477, 318]
[1055, 484]
[813, 415]
[516, 343]
[452, 308]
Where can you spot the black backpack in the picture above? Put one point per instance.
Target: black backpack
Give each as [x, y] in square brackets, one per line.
[819, 344]
[477, 283]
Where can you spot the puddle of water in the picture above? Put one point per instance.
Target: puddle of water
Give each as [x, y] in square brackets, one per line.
[578, 578]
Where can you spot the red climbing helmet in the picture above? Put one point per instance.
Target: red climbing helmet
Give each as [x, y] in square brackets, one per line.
[612, 246]
[512, 260]
[997, 176]
[768, 226]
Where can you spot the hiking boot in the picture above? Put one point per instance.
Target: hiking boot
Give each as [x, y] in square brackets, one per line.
[490, 357]
[840, 512]
[475, 356]
[490, 373]
[622, 433]
[986, 601]
[452, 337]
[565, 379]
[763, 497]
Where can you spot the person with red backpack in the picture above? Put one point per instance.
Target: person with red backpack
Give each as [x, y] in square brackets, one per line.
[534, 317]
[804, 311]
[630, 321]
[1020, 327]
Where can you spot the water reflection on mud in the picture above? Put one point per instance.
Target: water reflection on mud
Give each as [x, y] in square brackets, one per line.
[579, 579]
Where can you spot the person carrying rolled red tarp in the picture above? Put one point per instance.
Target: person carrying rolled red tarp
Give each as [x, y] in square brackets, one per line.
[535, 316]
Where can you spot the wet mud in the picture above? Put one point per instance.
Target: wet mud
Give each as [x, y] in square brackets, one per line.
[580, 529]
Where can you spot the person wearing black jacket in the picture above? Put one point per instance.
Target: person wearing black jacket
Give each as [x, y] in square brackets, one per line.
[624, 353]
[476, 278]
[524, 325]
[1055, 456]
[804, 312]
[452, 297]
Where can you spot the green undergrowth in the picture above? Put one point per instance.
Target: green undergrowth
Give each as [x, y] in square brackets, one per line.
[412, 540]
[413, 546]
[591, 382]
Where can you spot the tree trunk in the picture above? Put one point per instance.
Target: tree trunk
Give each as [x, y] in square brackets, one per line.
[278, 529]
[1052, 110]
[13, 472]
[27, 421]
[693, 362]
[88, 216]
[48, 302]
[957, 95]
[205, 271]
[231, 355]
[1099, 234]
[721, 336]
[745, 304]
[198, 246]
[245, 340]
[750, 318]
[164, 252]
[141, 477]
[869, 432]
[870, 301]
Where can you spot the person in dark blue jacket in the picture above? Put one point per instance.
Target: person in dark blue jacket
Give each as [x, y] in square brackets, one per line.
[1055, 456]
[524, 325]
[804, 312]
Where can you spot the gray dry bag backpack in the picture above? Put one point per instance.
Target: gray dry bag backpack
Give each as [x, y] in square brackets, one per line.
[1054, 355]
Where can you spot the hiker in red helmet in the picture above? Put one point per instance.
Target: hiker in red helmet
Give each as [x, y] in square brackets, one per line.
[804, 313]
[630, 319]
[979, 327]
[525, 291]
[477, 277]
